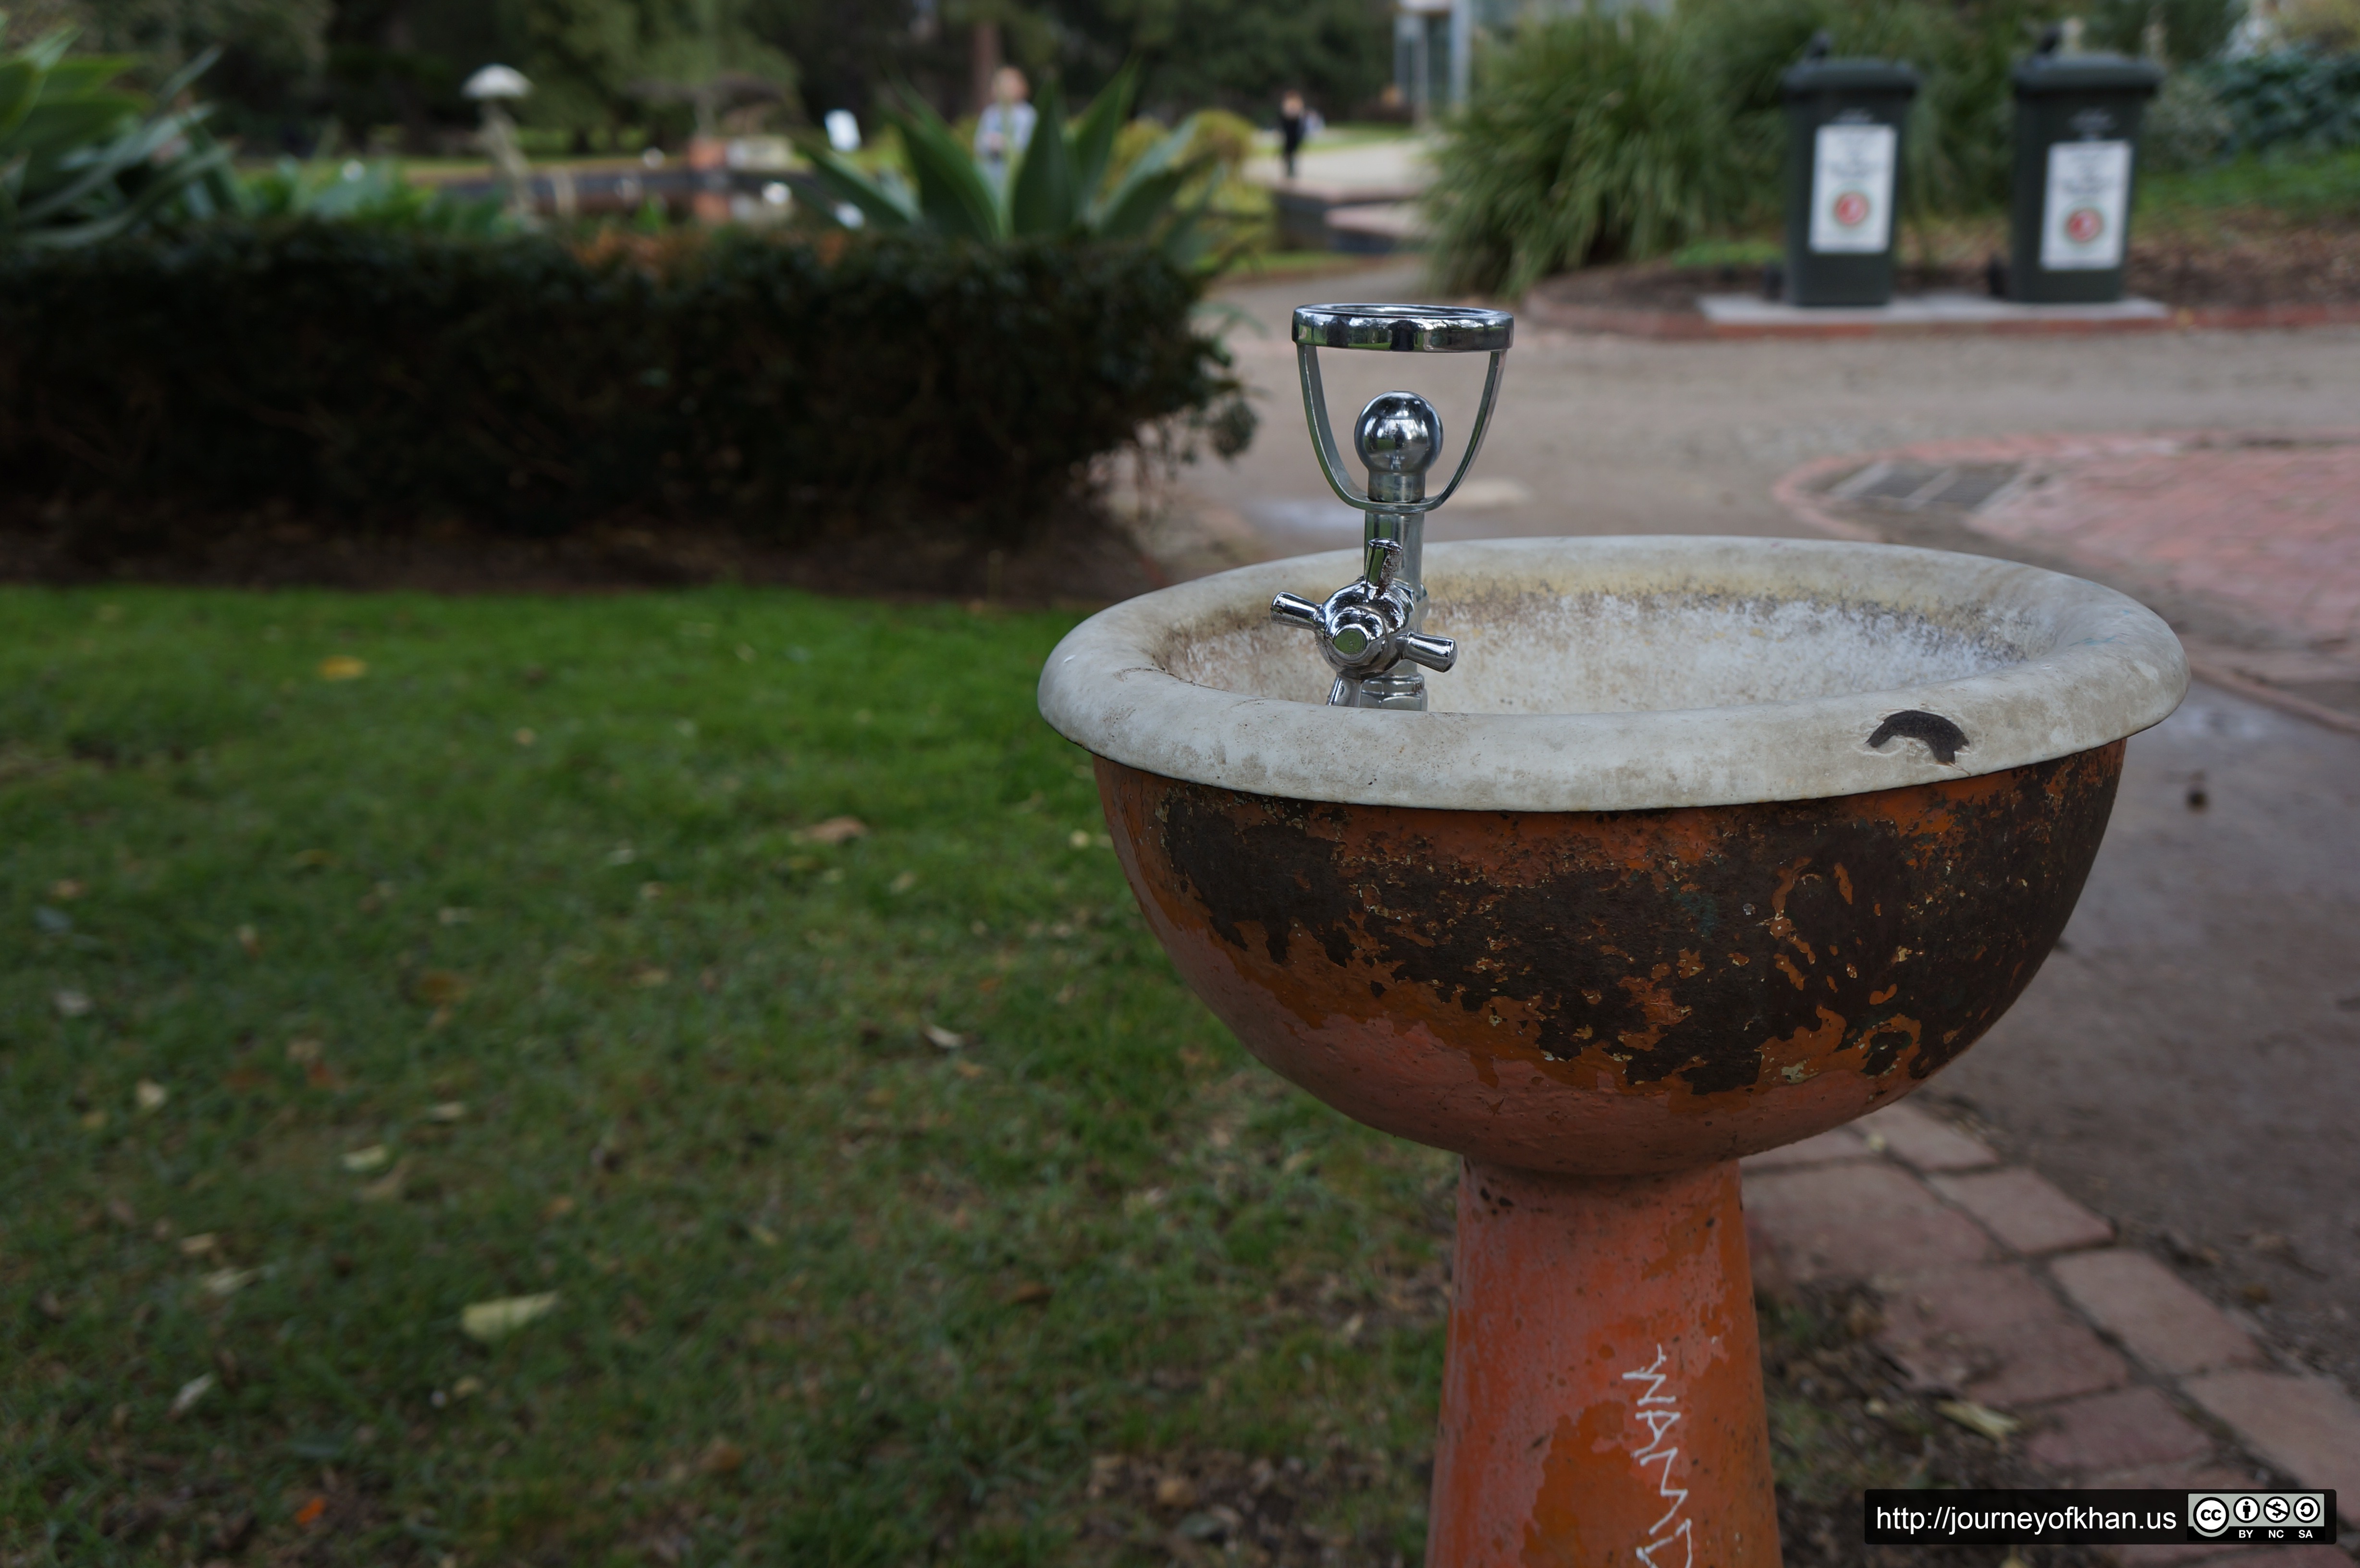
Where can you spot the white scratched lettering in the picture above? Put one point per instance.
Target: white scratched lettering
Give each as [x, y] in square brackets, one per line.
[1659, 1413]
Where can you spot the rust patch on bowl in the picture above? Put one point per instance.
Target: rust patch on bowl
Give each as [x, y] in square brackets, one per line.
[1759, 971]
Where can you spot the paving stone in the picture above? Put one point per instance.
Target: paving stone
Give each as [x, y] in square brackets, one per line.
[1837, 1143]
[1923, 1141]
[2024, 1211]
[2154, 1314]
[2306, 1426]
[1859, 1221]
[2116, 1432]
[1995, 1334]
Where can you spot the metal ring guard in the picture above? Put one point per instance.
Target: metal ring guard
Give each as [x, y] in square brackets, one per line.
[1368, 628]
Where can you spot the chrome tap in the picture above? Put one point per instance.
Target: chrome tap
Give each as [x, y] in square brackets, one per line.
[1370, 629]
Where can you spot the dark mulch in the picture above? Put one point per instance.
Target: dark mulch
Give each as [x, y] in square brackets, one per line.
[1074, 557]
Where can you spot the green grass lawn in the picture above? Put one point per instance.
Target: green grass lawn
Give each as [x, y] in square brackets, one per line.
[488, 962]
[2323, 187]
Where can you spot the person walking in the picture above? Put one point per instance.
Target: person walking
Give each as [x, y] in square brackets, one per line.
[1294, 124]
[1005, 126]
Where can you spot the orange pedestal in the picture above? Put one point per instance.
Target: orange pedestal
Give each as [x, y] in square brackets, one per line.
[1602, 1403]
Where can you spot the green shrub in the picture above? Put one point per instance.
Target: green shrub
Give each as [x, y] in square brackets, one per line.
[2296, 99]
[372, 192]
[374, 376]
[1592, 138]
[1596, 137]
[1078, 178]
[2185, 128]
[1957, 145]
[83, 159]
[2189, 30]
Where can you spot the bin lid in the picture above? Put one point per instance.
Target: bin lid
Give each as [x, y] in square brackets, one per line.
[1851, 75]
[2086, 73]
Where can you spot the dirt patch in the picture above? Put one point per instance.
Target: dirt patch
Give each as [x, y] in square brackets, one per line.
[1076, 556]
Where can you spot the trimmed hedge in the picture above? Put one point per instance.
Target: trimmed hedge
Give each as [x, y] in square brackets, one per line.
[382, 377]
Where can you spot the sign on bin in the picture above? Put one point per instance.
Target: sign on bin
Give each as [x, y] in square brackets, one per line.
[2088, 200]
[1851, 188]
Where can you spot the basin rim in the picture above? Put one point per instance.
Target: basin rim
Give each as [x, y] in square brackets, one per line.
[2111, 669]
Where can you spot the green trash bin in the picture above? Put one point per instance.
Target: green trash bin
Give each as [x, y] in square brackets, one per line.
[1844, 121]
[2077, 123]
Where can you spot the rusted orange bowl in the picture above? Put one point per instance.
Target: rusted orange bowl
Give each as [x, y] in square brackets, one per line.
[1710, 846]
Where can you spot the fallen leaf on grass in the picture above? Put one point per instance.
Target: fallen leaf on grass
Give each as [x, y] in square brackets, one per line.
[192, 1391]
[150, 1095]
[836, 829]
[228, 1282]
[466, 1388]
[94, 1121]
[1980, 1419]
[452, 915]
[342, 667]
[65, 890]
[969, 1069]
[763, 1235]
[70, 1004]
[309, 1514]
[360, 1161]
[199, 1245]
[904, 882]
[526, 737]
[311, 860]
[387, 1188]
[250, 940]
[448, 1111]
[946, 1039]
[439, 987]
[1032, 1293]
[722, 1457]
[558, 1207]
[302, 1051]
[650, 978]
[489, 1321]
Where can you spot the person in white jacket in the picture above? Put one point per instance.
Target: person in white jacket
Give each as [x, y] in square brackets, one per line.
[1005, 126]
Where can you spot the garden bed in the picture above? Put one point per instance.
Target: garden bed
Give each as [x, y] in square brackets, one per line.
[1076, 555]
[2238, 267]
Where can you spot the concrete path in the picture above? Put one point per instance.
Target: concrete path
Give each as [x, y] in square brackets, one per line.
[2188, 1065]
[1391, 164]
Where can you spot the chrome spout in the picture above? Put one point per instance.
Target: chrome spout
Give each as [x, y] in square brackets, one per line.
[1369, 629]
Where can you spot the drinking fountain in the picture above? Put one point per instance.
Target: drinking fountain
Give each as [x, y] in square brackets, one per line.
[1689, 848]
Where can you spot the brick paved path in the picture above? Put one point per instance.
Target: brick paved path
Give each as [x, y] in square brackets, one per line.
[2260, 530]
[2273, 528]
[2000, 1290]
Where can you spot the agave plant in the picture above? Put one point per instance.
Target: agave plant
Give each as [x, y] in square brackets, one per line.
[84, 159]
[1060, 186]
